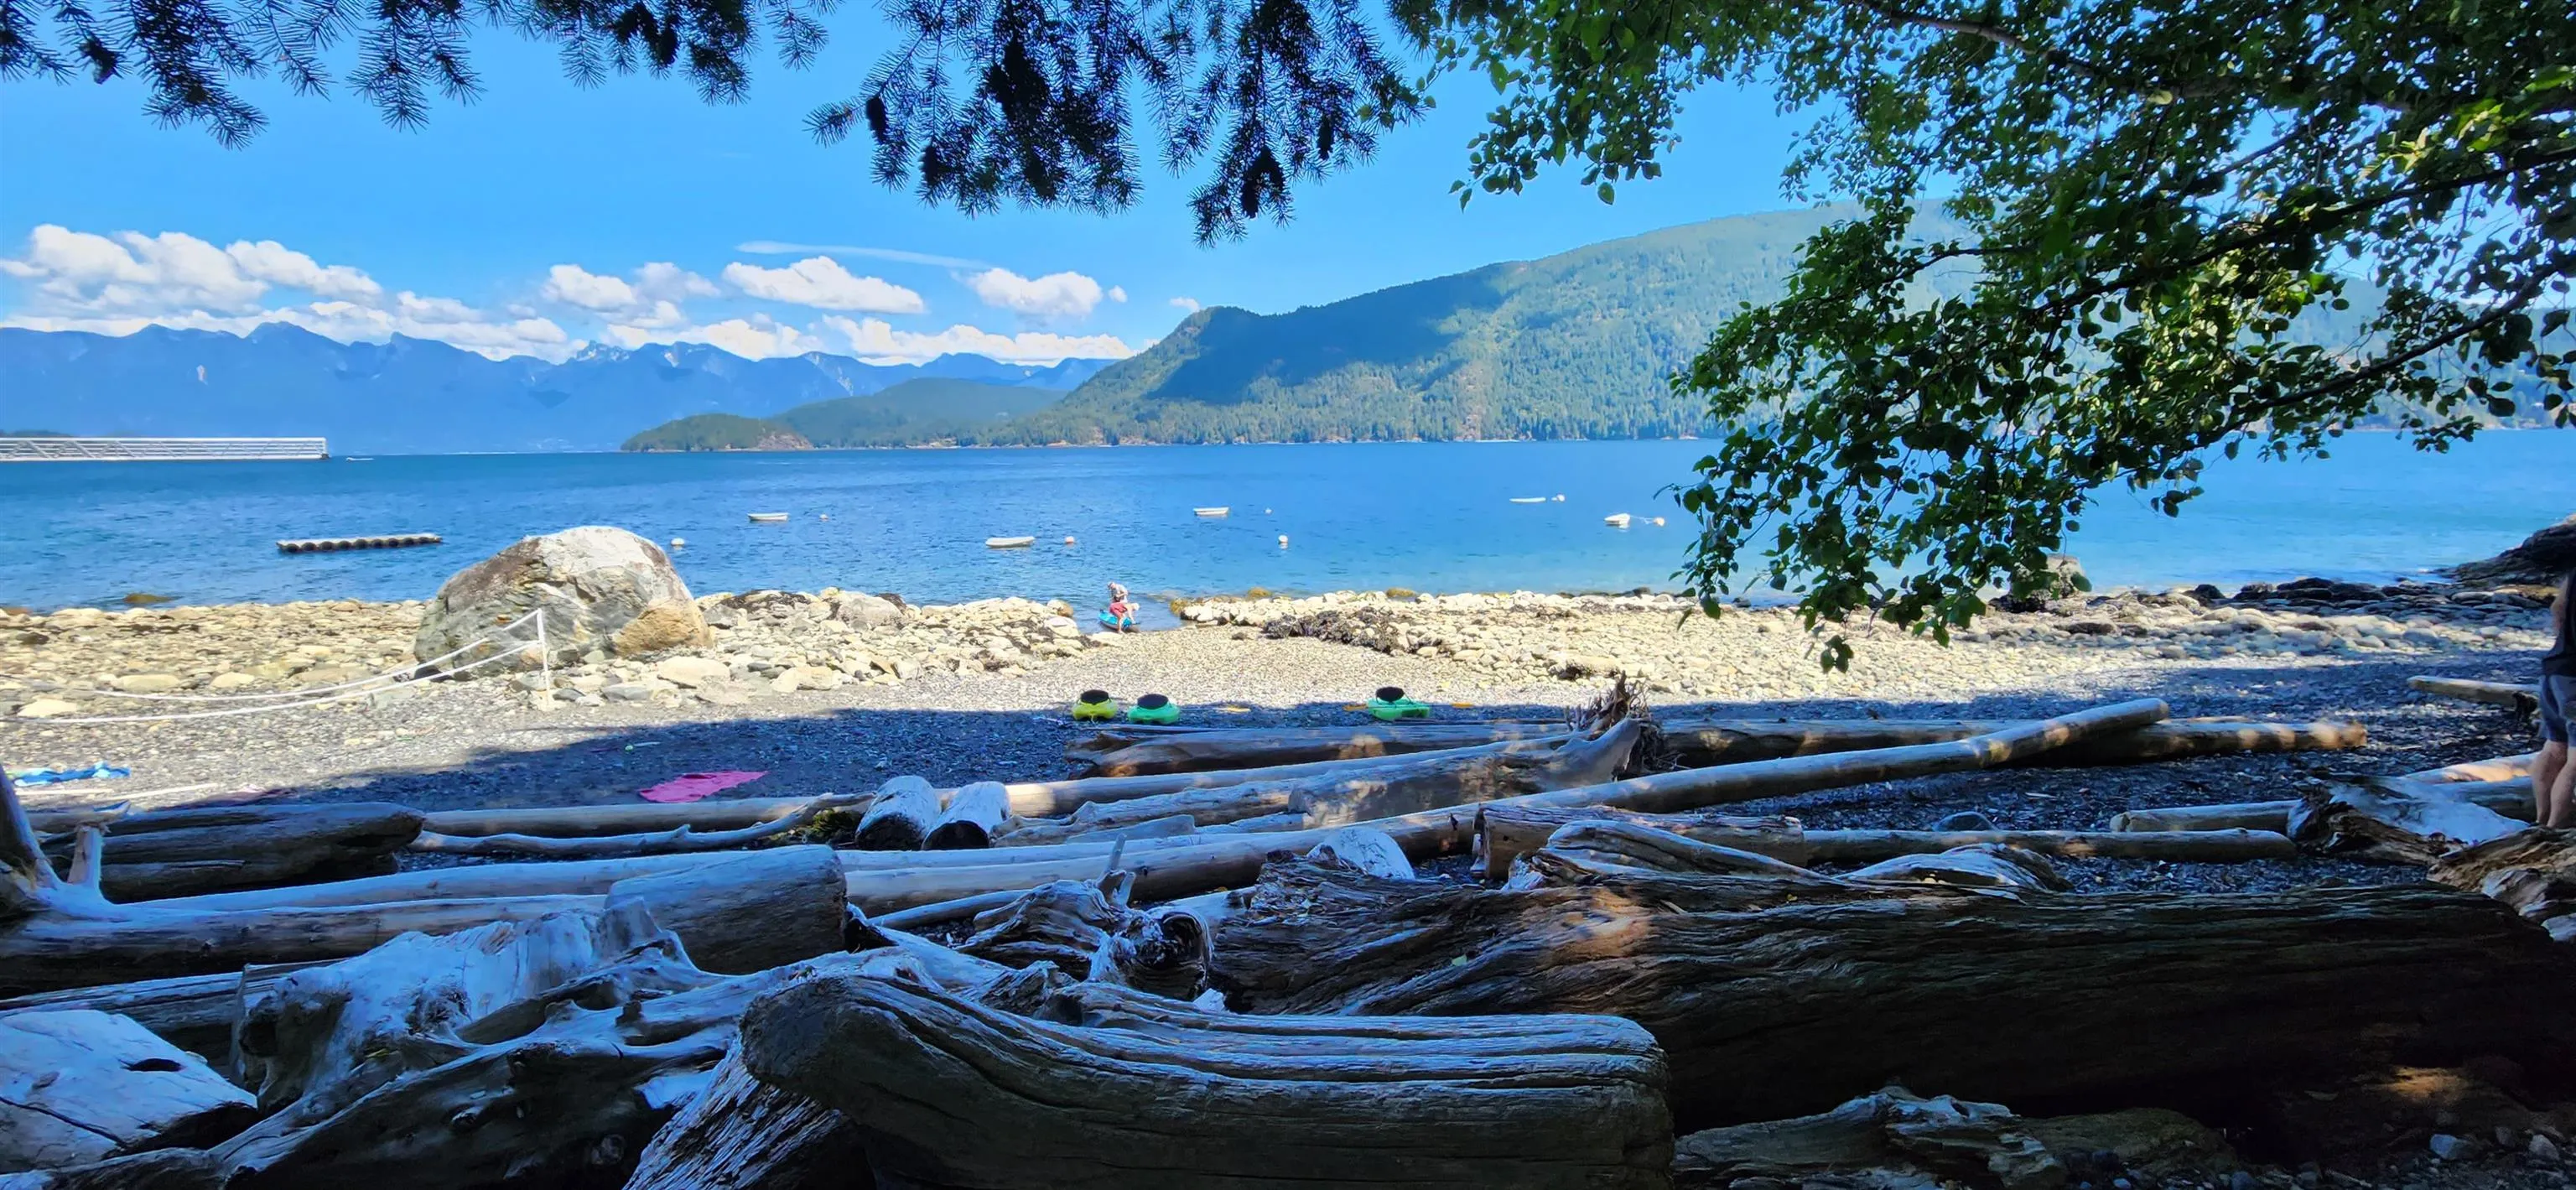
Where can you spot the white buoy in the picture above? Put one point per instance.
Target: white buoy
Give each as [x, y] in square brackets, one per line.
[1283, 541]
[1068, 539]
[678, 542]
[1659, 522]
[822, 516]
[1560, 497]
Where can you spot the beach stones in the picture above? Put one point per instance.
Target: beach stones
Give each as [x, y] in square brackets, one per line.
[596, 585]
[866, 611]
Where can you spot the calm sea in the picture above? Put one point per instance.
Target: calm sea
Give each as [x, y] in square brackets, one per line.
[1429, 516]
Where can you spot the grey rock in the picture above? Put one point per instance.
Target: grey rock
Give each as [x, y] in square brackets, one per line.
[600, 588]
[2448, 1147]
[628, 692]
[866, 611]
[1965, 820]
[2542, 1149]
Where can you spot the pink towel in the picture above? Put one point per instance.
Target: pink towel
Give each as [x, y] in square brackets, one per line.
[689, 787]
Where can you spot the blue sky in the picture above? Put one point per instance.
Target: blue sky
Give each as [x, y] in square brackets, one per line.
[726, 224]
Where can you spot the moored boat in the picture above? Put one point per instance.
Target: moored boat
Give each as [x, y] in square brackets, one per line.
[1009, 543]
[1220, 511]
[1617, 520]
[769, 518]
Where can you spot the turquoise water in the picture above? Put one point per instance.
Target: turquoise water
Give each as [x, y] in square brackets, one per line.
[1429, 516]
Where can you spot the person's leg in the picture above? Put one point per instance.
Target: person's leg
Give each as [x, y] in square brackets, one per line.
[2553, 774]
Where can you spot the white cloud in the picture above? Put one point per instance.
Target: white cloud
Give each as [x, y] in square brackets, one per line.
[663, 281]
[575, 285]
[756, 337]
[877, 342]
[1056, 295]
[278, 264]
[775, 248]
[821, 282]
[1186, 305]
[118, 285]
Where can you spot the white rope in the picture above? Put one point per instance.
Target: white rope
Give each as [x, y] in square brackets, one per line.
[309, 691]
[283, 706]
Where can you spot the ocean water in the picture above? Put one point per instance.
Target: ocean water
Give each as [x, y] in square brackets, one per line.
[1428, 516]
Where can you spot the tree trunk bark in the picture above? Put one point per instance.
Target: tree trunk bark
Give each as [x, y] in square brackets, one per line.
[679, 840]
[1146, 1093]
[2510, 798]
[2532, 872]
[743, 1134]
[178, 853]
[1506, 834]
[1087, 930]
[2393, 822]
[194, 1012]
[575, 822]
[1771, 999]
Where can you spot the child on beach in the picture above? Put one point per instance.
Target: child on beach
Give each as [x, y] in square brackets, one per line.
[2553, 777]
[1121, 616]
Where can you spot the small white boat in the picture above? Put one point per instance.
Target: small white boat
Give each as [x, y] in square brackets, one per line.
[1009, 543]
[1659, 522]
[1529, 499]
[768, 518]
[1211, 511]
[1617, 520]
[679, 543]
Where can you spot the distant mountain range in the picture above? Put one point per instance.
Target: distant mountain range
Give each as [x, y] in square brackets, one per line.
[417, 396]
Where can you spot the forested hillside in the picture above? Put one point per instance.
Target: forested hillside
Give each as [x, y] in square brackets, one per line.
[1570, 346]
[911, 413]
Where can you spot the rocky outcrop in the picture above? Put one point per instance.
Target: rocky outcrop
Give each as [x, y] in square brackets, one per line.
[2541, 560]
[601, 590]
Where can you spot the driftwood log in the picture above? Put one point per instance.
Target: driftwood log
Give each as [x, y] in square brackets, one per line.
[194, 1012]
[1087, 930]
[2516, 697]
[1693, 743]
[744, 913]
[1506, 833]
[79, 1086]
[974, 815]
[901, 817]
[1109, 1088]
[1768, 998]
[1430, 782]
[679, 840]
[2511, 798]
[2392, 821]
[2533, 872]
[1892, 1138]
[743, 1134]
[178, 853]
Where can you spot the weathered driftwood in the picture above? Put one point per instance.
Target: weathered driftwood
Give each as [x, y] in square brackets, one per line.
[2392, 821]
[743, 1134]
[1691, 742]
[1109, 1088]
[457, 1064]
[1055, 799]
[1087, 930]
[2500, 768]
[177, 853]
[1506, 833]
[574, 822]
[744, 914]
[1976, 865]
[901, 817]
[1367, 848]
[194, 1012]
[1428, 782]
[974, 815]
[1770, 999]
[1119, 752]
[79, 1086]
[1610, 849]
[1892, 1138]
[679, 840]
[2520, 699]
[2533, 872]
[2511, 798]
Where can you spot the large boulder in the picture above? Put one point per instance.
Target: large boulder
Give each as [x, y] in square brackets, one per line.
[600, 588]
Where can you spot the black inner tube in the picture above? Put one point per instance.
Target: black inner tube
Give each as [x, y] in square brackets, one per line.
[1095, 696]
[1153, 702]
[1390, 694]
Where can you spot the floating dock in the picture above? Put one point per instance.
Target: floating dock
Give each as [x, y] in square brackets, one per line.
[144, 450]
[323, 545]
